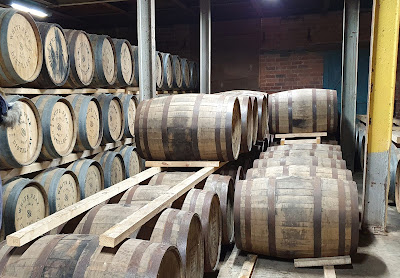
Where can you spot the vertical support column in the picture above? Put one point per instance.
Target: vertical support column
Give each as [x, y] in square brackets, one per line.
[383, 64]
[351, 24]
[147, 48]
[205, 47]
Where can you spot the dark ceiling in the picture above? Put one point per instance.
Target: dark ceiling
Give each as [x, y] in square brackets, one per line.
[119, 13]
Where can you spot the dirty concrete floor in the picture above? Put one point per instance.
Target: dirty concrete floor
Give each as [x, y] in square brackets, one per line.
[378, 256]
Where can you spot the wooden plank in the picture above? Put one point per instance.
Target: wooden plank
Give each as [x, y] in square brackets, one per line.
[30, 91]
[311, 262]
[248, 266]
[194, 164]
[329, 271]
[45, 225]
[122, 230]
[39, 166]
[302, 135]
[302, 141]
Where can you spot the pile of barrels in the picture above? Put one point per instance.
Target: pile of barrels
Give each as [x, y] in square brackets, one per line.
[52, 57]
[298, 201]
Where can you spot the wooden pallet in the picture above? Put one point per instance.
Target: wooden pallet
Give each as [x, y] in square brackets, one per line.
[327, 263]
[239, 264]
[298, 138]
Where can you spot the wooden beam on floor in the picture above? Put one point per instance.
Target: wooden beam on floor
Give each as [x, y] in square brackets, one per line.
[248, 266]
[329, 271]
[45, 225]
[301, 135]
[327, 261]
[184, 164]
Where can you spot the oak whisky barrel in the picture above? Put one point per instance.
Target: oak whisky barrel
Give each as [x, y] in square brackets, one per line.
[125, 63]
[90, 176]
[105, 70]
[159, 70]
[135, 61]
[304, 110]
[90, 121]
[234, 171]
[59, 126]
[294, 217]
[21, 51]
[62, 188]
[56, 64]
[140, 194]
[302, 153]
[129, 106]
[185, 74]
[169, 178]
[189, 127]
[81, 59]
[194, 76]
[113, 167]
[300, 160]
[21, 145]
[167, 71]
[133, 163]
[177, 72]
[317, 147]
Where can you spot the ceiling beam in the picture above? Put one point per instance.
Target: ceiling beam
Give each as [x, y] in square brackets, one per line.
[87, 2]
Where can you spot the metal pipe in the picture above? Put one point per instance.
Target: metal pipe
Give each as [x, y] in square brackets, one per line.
[205, 47]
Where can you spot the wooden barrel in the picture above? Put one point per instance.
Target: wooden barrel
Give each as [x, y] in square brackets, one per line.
[299, 160]
[62, 188]
[206, 205]
[125, 63]
[169, 178]
[129, 105]
[168, 128]
[10, 254]
[133, 163]
[81, 59]
[301, 171]
[302, 153]
[183, 230]
[21, 51]
[304, 110]
[224, 187]
[297, 218]
[254, 109]
[59, 126]
[143, 194]
[81, 256]
[167, 71]
[135, 81]
[113, 167]
[56, 64]
[105, 60]
[317, 147]
[194, 76]
[159, 70]
[113, 117]
[90, 122]
[185, 74]
[177, 72]
[232, 170]
[24, 202]
[90, 176]
[21, 145]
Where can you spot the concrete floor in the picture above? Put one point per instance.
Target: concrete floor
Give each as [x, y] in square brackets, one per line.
[378, 256]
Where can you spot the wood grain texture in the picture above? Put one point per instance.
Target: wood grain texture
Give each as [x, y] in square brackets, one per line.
[299, 160]
[319, 147]
[133, 163]
[125, 63]
[129, 106]
[113, 167]
[302, 153]
[177, 72]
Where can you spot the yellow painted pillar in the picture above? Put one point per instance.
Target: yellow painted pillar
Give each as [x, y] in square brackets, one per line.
[382, 82]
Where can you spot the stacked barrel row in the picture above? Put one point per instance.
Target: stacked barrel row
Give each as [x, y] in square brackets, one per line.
[49, 57]
[299, 194]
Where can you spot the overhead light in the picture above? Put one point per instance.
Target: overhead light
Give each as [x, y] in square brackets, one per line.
[32, 11]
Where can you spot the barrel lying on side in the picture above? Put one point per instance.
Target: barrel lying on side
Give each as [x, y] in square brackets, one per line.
[159, 70]
[319, 217]
[175, 135]
[185, 74]
[306, 160]
[90, 121]
[167, 71]
[177, 72]
[133, 163]
[59, 126]
[81, 59]
[169, 178]
[129, 105]
[143, 194]
[62, 188]
[81, 255]
[302, 153]
[113, 167]
[125, 63]
[56, 65]
[194, 76]
[304, 110]
[21, 145]
[316, 147]
[21, 51]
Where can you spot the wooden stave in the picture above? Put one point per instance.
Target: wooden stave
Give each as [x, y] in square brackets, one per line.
[323, 154]
[80, 105]
[120, 80]
[319, 147]
[105, 101]
[8, 76]
[224, 187]
[228, 108]
[99, 78]
[49, 180]
[305, 95]
[300, 171]
[187, 222]
[9, 254]
[185, 74]
[308, 160]
[14, 188]
[106, 160]
[129, 131]
[177, 70]
[48, 101]
[169, 178]
[167, 71]
[140, 194]
[206, 199]
[135, 81]
[7, 160]
[74, 80]
[127, 152]
[242, 236]
[80, 168]
[44, 80]
[82, 256]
